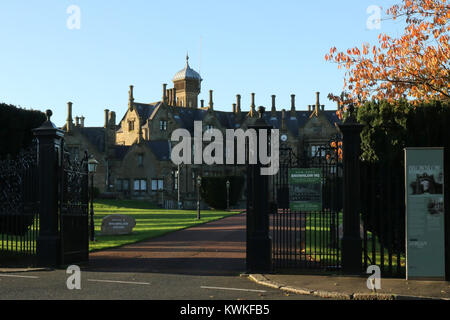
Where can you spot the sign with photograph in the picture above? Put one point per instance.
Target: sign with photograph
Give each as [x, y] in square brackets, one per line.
[305, 189]
[425, 233]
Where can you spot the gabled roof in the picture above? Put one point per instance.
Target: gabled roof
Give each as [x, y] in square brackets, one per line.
[299, 121]
[120, 151]
[95, 135]
[145, 110]
[161, 149]
[185, 117]
[226, 119]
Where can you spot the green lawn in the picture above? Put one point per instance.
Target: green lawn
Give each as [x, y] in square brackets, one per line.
[318, 239]
[150, 221]
[319, 246]
[318, 231]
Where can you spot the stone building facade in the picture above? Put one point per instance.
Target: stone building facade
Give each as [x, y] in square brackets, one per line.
[134, 153]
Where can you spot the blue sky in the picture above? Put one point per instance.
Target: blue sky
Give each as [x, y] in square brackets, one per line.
[267, 47]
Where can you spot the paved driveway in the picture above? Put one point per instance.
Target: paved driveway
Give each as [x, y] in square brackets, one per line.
[216, 248]
[200, 263]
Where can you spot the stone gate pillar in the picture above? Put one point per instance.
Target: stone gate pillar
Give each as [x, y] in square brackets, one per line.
[259, 244]
[351, 241]
[49, 157]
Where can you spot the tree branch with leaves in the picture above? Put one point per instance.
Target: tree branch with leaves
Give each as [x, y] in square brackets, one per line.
[414, 66]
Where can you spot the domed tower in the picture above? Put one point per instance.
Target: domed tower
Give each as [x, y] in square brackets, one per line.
[187, 83]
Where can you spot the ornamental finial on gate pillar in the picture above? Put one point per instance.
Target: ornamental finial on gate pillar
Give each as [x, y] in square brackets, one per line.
[48, 113]
[351, 118]
[48, 124]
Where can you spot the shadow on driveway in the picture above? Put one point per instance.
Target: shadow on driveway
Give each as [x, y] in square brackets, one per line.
[215, 248]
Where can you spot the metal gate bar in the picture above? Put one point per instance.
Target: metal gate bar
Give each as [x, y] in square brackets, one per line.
[19, 214]
[307, 240]
[382, 217]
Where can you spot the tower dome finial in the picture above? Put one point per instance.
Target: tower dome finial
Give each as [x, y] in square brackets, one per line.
[187, 72]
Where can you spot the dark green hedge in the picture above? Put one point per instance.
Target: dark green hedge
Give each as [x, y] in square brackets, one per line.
[15, 128]
[15, 134]
[214, 191]
[388, 129]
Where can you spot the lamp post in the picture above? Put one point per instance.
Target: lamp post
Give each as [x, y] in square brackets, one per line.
[228, 195]
[179, 187]
[92, 168]
[199, 184]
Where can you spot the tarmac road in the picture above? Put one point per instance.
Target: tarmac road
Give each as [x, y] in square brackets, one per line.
[200, 263]
[134, 286]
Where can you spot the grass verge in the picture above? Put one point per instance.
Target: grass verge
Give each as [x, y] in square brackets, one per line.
[150, 221]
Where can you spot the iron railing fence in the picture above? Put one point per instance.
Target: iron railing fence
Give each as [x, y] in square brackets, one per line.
[383, 217]
[19, 207]
[73, 208]
[307, 239]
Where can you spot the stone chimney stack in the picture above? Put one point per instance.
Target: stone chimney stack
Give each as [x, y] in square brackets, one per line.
[131, 98]
[82, 121]
[274, 108]
[234, 107]
[309, 108]
[77, 121]
[112, 120]
[293, 113]
[164, 98]
[202, 103]
[238, 103]
[317, 102]
[211, 104]
[106, 125]
[252, 112]
[323, 107]
[174, 97]
[169, 96]
[283, 119]
[69, 117]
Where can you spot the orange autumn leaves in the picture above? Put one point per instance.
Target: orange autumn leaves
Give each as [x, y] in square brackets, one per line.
[415, 66]
[337, 147]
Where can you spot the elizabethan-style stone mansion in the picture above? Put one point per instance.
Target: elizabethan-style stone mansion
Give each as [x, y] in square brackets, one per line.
[134, 153]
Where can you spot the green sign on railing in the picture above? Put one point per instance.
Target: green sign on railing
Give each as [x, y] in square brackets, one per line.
[305, 189]
[425, 249]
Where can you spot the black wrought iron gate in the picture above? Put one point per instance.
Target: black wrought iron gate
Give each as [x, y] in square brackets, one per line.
[19, 214]
[44, 203]
[308, 239]
[19, 208]
[73, 209]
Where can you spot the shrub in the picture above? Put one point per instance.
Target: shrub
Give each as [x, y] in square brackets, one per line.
[388, 129]
[214, 190]
[16, 126]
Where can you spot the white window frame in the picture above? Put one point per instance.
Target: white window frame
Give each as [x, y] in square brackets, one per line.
[140, 186]
[163, 125]
[157, 184]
